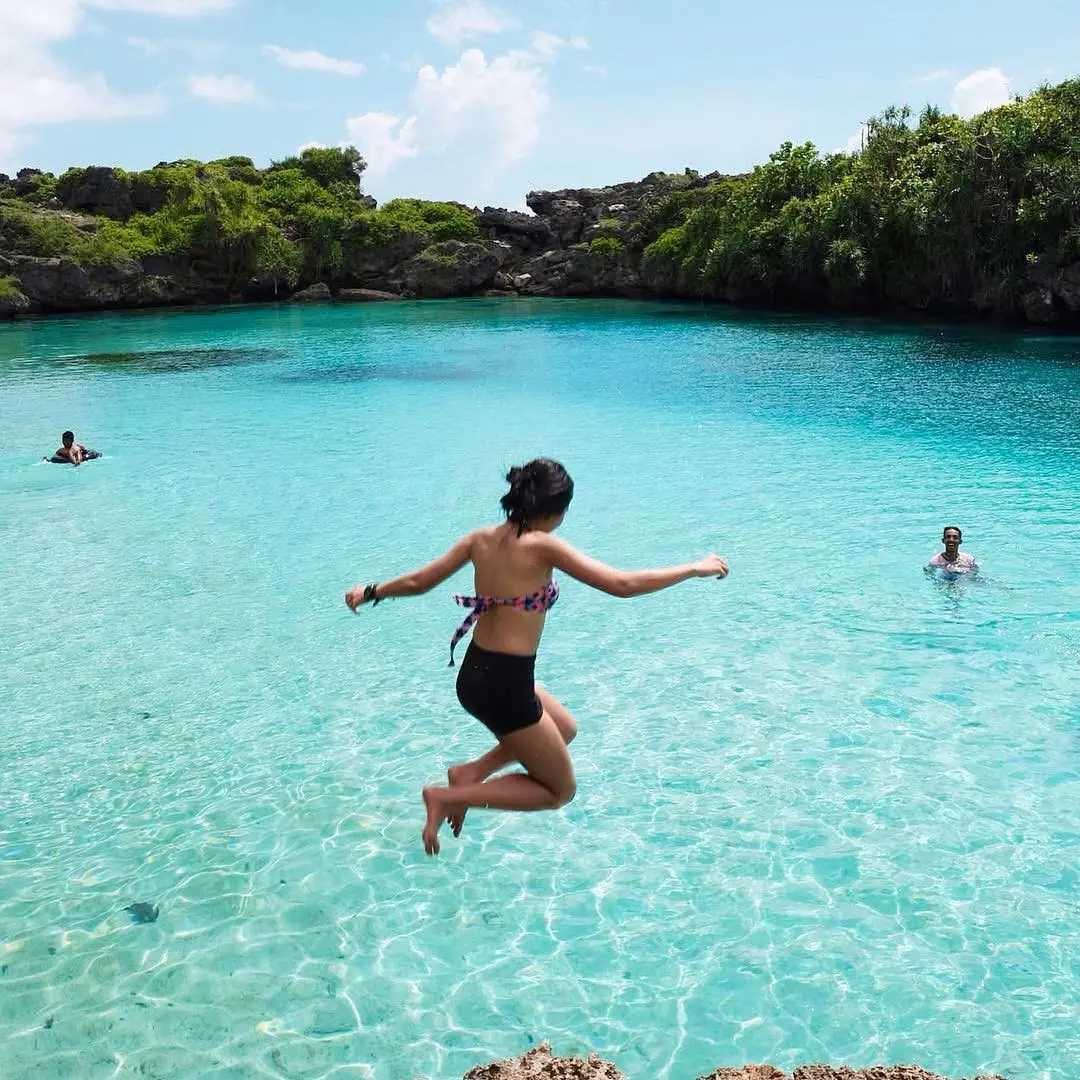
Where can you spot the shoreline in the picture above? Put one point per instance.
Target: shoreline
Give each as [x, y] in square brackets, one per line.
[902, 317]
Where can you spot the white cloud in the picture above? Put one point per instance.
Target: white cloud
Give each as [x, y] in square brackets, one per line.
[313, 60]
[51, 96]
[459, 20]
[548, 46]
[505, 99]
[981, 90]
[855, 143]
[374, 136]
[200, 51]
[931, 76]
[495, 106]
[180, 8]
[224, 89]
[36, 88]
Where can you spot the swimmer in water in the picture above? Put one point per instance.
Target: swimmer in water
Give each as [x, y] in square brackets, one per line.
[72, 452]
[512, 570]
[952, 559]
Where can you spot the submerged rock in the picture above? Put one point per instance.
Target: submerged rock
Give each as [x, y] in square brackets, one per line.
[142, 912]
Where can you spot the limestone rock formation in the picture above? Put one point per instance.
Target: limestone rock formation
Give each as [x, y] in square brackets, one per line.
[365, 295]
[313, 294]
[452, 268]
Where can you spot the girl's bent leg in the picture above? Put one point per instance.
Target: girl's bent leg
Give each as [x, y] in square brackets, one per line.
[474, 772]
[549, 782]
[498, 757]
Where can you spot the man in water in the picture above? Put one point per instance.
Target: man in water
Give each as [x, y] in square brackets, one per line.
[72, 451]
[952, 559]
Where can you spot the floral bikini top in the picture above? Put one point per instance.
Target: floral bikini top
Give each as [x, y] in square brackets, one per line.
[541, 600]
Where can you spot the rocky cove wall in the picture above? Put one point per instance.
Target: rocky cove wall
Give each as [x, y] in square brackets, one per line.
[577, 242]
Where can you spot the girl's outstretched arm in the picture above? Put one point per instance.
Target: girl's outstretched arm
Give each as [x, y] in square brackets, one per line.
[615, 582]
[419, 581]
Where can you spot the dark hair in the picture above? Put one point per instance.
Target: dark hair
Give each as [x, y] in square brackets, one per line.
[540, 488]
[68, 436]
[951, 528]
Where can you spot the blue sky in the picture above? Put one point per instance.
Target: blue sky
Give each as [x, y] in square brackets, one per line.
[482, 101]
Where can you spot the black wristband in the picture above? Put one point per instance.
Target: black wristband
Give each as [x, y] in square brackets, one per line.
[371, 596]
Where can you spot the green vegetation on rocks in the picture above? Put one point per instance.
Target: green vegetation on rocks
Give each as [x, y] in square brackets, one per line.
[9, 289]
[936, 214]
[303, 218]
[933, 213]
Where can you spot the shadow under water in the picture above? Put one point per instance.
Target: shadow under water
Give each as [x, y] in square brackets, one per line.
[348, 373]
[160, 361]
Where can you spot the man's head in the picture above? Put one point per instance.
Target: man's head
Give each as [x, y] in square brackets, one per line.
[951, 537]
[68, 438]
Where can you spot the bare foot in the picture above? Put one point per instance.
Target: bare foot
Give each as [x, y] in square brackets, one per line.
[456, 775]
[434, 800]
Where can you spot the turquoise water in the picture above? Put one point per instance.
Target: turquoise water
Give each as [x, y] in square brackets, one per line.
[827, 808]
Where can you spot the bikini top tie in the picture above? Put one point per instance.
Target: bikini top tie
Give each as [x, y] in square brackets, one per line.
[541, 600]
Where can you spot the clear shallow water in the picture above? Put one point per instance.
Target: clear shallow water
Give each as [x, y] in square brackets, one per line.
[826, 810]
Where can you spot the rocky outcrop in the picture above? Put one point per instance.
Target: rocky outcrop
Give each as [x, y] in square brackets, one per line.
[581, 271]
[96, 190]
[452, 268]
[313, 294]
[571, 211]
[12, 302]
[1053, 292]
[524, 234]
[365, 295]
[574, 242]
[63, 285]
[374, 267]
[540, 1064]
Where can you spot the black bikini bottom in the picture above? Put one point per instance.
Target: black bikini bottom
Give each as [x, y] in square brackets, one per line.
[499, 690]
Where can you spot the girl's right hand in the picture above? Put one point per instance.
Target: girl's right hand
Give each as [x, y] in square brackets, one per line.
[711, 566]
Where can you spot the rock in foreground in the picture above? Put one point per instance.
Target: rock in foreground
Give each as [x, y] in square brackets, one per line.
[540, 1064]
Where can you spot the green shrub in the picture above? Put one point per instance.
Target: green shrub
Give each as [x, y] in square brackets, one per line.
[9, 289]
[41, 189]
[606, 245]
[25, 231]
[434, 221]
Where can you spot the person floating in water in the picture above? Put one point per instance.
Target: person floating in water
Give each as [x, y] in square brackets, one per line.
[71, 452]
[513, 564]
[952, 559]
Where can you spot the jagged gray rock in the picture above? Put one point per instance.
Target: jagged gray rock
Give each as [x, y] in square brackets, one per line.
[97, 190]
[366, 295]
[452, 268]
[313, 294]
